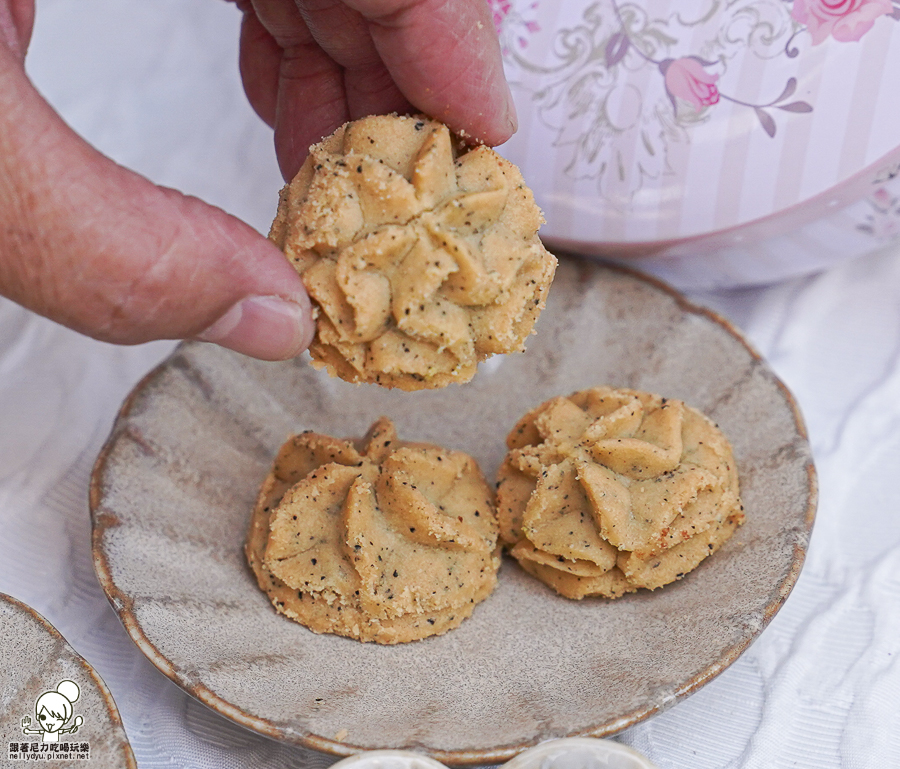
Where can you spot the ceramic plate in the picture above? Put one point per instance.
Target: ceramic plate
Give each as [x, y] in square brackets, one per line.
[173, 489]
[40, 674]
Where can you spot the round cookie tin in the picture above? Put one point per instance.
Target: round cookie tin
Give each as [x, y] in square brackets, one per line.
[715, 144]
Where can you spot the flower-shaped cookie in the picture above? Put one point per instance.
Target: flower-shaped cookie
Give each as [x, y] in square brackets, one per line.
[376, 539]
[610, 490]
[421, 256]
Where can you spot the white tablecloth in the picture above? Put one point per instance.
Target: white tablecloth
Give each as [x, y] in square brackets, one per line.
[154, 84]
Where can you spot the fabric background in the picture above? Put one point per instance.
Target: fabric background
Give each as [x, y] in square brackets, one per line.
[154, 84]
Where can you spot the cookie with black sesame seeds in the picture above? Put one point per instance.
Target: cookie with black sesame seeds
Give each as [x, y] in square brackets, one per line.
[608, 490]
[421, 254]
[377, 539]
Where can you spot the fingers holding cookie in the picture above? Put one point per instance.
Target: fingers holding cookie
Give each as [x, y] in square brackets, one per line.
[420, 253]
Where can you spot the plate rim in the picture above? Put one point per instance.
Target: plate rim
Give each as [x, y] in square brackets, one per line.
[101, 686]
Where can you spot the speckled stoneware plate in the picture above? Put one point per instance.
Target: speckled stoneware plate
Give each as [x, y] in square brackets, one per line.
[173, 489]
[41, 676]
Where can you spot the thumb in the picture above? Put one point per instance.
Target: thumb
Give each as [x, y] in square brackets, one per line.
[102, 250]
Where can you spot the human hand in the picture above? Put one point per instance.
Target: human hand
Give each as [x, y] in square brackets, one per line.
[100, 249]
[104, 251]
[309, 66]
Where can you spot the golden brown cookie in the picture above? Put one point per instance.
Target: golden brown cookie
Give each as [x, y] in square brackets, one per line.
[376, 539]
[421, 255]
[610, 490]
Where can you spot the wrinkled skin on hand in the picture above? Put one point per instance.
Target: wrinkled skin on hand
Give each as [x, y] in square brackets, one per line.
[100, 249]
[310, 66]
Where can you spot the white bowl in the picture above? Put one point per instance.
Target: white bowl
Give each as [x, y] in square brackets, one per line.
[717, 144]
[567, 753]
[580, 753]
[388, 759]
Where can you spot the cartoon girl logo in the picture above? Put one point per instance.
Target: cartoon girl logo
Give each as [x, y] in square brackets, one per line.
[54, 710]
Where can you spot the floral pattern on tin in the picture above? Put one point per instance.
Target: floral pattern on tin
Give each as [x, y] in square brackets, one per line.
[512, 24]
[882, 218]
[844, 20]
[624, 89]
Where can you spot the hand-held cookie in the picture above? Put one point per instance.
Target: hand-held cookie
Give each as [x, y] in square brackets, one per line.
[610, 490]
[420, 254]
[376, 539]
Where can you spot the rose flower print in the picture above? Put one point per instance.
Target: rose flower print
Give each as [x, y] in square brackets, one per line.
[844, 20]
[687, 79]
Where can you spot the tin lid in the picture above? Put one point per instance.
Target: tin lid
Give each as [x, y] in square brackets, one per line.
[656, 121]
